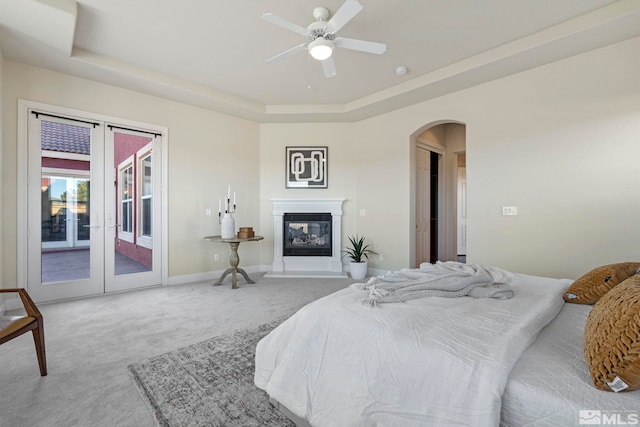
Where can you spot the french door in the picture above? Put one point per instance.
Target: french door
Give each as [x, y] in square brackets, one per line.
[93, 207]
[132, 209]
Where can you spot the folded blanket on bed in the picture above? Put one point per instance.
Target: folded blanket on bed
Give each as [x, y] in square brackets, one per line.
[442, 279]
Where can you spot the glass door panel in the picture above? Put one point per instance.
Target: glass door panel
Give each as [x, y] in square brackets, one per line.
[64, 164]
[133, 206]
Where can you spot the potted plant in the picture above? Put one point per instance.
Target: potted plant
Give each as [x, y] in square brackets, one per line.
[359, 253]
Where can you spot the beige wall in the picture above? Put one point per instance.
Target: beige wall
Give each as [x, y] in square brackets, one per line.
[342, 169]
[369, 176]
[559, 141]
[562, 144]
[2, 171]
[207, 151]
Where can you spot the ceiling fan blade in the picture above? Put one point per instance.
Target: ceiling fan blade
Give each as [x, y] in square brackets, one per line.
[347, 11]
[276, 20]
[329, 67]
[287, 53]
[361, 45]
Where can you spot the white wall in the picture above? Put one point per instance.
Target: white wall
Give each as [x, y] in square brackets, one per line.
[207, 152]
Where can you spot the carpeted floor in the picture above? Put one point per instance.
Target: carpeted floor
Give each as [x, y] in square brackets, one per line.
[91, 341]
[209, 384]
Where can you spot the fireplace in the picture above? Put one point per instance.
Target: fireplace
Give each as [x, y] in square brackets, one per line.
[306, 238]
[306, 234]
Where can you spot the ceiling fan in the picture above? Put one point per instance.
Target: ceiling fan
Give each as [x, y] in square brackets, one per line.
[321, 36]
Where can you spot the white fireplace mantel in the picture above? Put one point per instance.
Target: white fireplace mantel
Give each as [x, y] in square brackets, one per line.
[307, 266]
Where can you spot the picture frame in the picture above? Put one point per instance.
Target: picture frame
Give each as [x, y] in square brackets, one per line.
[307, 167]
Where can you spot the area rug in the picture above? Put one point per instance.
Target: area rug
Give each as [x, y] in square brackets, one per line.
[208, 383]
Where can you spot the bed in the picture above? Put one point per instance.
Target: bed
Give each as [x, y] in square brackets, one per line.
[435, 361]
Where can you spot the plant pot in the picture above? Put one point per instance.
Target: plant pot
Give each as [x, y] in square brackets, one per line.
[358, 270]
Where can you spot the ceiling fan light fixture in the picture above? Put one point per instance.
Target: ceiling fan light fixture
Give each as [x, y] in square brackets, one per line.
[321, 48]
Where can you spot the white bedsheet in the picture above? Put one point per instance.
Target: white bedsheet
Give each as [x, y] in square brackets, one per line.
[550, 383]
[432, 361]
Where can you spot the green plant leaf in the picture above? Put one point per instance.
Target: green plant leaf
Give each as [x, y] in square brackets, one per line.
[357, 249]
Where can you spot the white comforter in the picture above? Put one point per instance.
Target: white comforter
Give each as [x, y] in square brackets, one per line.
[432, 361]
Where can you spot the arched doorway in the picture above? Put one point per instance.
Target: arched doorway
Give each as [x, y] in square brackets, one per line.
[438, 193]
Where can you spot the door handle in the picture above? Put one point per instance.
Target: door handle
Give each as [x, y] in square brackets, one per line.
[93, 226]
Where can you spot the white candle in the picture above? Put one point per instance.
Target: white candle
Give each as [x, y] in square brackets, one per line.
[229, 192]
[219, 205]
[234, 198]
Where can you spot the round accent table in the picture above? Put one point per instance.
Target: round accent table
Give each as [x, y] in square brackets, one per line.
[234, 259]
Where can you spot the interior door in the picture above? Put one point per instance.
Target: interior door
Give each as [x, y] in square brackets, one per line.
[133, 209]
[65, 233]
[423, 208]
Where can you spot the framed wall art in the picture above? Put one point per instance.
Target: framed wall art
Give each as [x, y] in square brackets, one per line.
[307, 167]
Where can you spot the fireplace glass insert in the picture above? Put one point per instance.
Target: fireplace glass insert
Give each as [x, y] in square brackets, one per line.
[307, 234]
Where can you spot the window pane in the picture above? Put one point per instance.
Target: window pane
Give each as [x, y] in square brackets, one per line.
[82, 206]
[54, 209]
[127, 183]
[146, 186]
[146, 217]
[126, 194]
[127, 217]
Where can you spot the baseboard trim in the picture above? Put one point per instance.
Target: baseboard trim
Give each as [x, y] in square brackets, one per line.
[307, 274]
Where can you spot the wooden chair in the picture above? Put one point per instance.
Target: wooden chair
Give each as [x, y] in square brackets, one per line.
[14, 326]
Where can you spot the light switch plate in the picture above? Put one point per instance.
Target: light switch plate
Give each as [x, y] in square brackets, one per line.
[509, 210]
